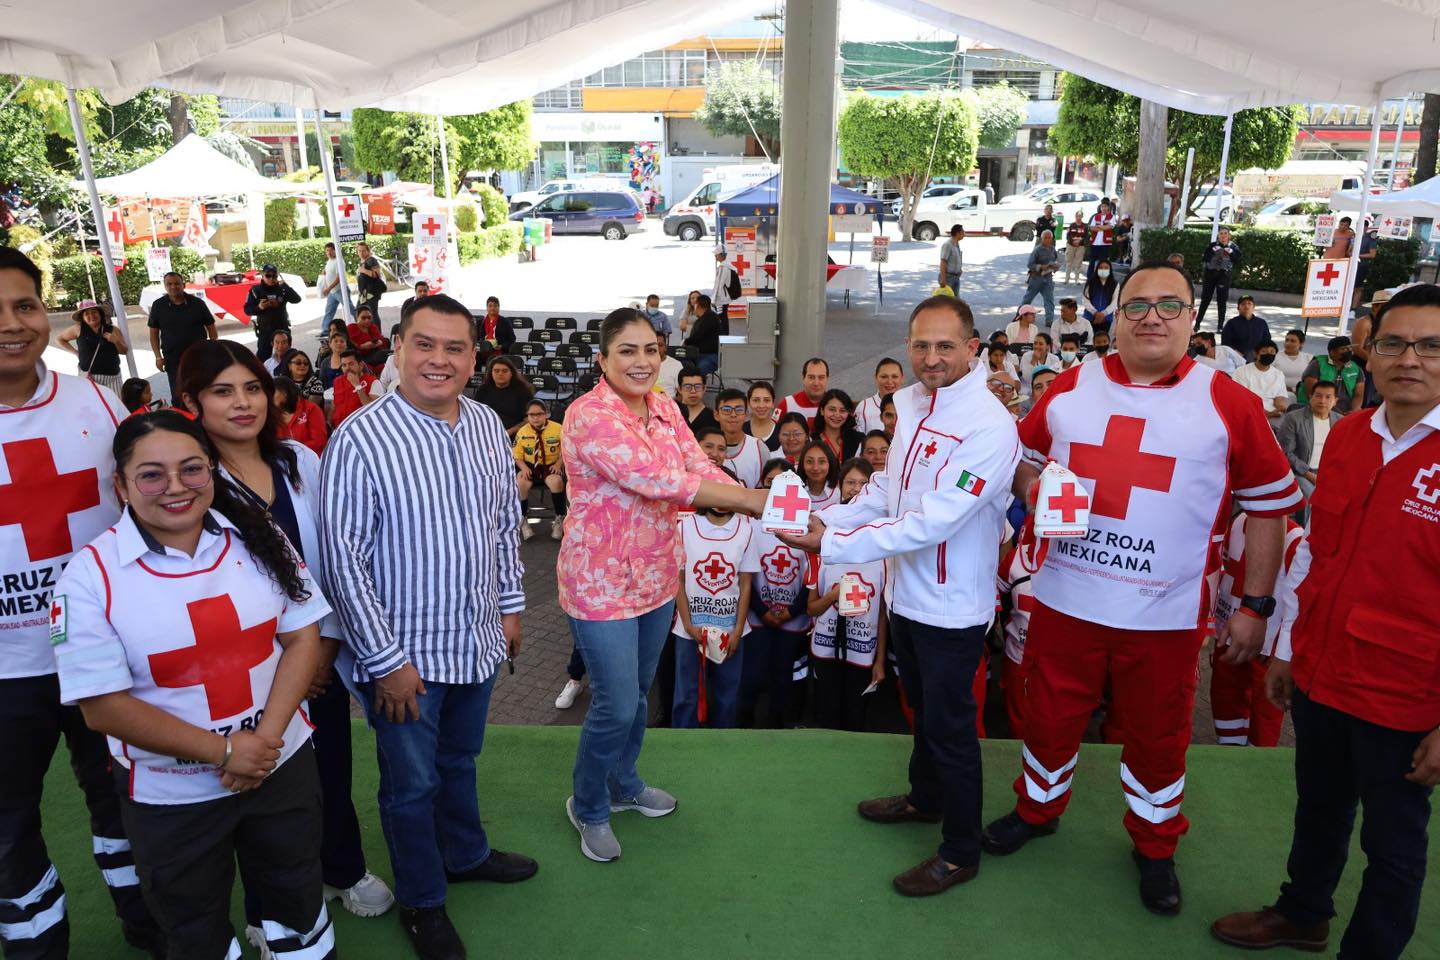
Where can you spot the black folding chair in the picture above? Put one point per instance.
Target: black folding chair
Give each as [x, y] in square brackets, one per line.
[560, 323]
[594, 323]
[589, 337]
[520, 323]
[685, 354]
[579, 352]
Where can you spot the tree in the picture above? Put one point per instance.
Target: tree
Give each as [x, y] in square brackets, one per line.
[909, 138]
[1429, 135]
[742, 100]
[409, 143]
[1000, 109]
[1100, 122]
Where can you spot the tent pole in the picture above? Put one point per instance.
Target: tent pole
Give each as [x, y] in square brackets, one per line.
[1346, 311]
[305, 165]
[327, 163]
[82, 147]
[1395, 150]
[445, 172]
[1220, 186]
[1185, 187]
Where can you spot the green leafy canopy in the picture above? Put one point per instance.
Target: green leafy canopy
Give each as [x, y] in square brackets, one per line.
[409, 143]
[738, 94]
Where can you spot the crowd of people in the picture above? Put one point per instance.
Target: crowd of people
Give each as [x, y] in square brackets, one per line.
[209, 585]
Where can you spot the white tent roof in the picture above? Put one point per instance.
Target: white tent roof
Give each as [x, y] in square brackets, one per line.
[191, 168]
[1421, 200]
[462, 56]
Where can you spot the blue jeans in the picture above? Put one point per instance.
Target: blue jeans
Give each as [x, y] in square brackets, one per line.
[428, 806]
[332, 304]
[1044, 287]
[708, 363]
[722, 683]
[621, 656]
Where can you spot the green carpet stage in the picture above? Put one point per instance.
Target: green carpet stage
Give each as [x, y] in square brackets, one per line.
[766, 858]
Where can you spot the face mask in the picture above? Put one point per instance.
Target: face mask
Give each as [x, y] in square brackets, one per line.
[1265, 359]
[1102, 274]
[1068, 355]
[1102, 348]
[1346, 356]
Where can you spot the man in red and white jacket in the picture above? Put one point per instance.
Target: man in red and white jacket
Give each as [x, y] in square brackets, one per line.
[1358, 657]
[937, 511]
[1160, 444]
[1242, 714]
[57, 492]
[815, 376]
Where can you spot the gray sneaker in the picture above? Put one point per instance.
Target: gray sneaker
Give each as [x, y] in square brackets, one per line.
[651, 802]
[597, 840]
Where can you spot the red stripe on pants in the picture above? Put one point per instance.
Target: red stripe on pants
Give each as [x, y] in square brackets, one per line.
[1152, 677]
[1237, 692]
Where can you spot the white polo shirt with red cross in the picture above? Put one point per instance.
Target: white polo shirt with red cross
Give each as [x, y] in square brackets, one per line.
[56, 494]
[1160, 463]
[192, 636]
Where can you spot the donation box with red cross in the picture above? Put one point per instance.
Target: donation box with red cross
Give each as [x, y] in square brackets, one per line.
[787, 508]
[1062, 505]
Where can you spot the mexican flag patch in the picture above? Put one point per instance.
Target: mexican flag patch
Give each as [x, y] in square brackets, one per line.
[59, 621]
[970, 483]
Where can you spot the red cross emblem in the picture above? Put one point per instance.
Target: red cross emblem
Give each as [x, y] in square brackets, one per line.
[115, 227]
[780, 566]
[40, 499]
[790, 503]
[1327, 274]
[857, 594]
[742, 264]
[55, 612]
[346, 207]
[430, 226]
[929, 449]
[1118, 466]
[714, 573]
[220, 659]
[418, 263]
[1070, 501]
[1427, 483]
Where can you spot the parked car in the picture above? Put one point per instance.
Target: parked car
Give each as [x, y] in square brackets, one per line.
[1016, 218]
[1205, 209]
[1296, 213]
[528, 198]
[613, 214]
[933, 191]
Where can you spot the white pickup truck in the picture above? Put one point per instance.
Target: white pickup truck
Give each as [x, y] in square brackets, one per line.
[1013, 216]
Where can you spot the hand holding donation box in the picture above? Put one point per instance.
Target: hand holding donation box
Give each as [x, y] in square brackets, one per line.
[854, 597]
[1062, 507]
[787, 508]
[716, 643]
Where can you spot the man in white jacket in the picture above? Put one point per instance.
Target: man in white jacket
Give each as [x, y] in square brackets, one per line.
[938, 509]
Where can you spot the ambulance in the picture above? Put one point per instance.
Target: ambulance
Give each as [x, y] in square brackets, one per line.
[694, 217]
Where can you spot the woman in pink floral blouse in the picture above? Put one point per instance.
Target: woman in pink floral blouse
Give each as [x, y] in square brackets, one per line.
[631, 463]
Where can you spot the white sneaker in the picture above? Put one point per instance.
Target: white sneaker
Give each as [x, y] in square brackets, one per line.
[568, 693]
[369, 897]
[526, 532]
[256, 936]
[557, 528]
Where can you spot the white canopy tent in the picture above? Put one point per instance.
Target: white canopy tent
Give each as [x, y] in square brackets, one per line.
[456, 57]
[1421, 200]
[192, 169]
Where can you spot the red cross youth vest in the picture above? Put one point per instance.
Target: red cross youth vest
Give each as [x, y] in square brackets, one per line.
[1367, 638]
[201, 646]
[56, 494]
[1159, 463]
[781, 579]
[862, 633]
[714, 559]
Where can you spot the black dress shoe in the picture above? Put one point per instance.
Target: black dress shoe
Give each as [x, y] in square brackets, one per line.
[897, 809]
[1159, 886]
[499, 867]
[145, 937]
[931, 876]
[431, 933]
[1008, 834]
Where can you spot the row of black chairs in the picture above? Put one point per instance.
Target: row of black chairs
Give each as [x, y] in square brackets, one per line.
[554, 323]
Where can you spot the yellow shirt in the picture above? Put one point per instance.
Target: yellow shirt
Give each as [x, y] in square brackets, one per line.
[543, 449]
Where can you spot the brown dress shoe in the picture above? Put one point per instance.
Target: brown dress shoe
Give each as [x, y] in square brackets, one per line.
[931, 876]
[1263, 929]
[894, 810]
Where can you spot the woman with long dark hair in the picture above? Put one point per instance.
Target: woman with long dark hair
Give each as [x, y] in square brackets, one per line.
[296, 367]
[817, 466]
[507, 391]
[1098, 296]
[835, 425]
[227, 389]
[188, 633]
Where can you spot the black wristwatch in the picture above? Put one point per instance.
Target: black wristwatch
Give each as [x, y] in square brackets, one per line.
[1264, 606]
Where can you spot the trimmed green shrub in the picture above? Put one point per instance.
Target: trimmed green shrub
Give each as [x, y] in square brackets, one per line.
[492, 202]
[279, 219]
[467, 219]
[489, 243]
[306, 258]
[70, 274]
[1273, 259]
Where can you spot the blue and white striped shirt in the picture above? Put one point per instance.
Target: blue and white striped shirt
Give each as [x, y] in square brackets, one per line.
[420, 527]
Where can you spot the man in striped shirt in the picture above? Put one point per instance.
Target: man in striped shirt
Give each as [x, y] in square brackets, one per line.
[420, 543]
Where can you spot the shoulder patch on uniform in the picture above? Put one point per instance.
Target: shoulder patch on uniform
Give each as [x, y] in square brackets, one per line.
[59, 620]
[970, 483]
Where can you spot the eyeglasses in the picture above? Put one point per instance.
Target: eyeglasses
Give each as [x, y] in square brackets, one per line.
[1429, 348]
[692, 386]
[152, 481]
[1000, 385]
[1168, 309]
[729, 409]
